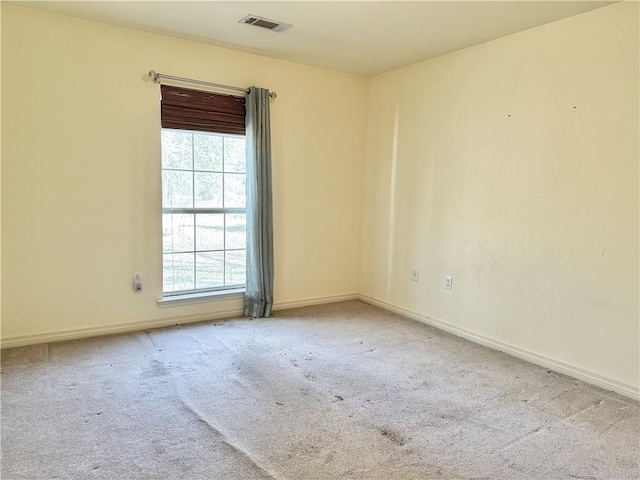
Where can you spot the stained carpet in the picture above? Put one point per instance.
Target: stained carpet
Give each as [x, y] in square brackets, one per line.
[341, 391]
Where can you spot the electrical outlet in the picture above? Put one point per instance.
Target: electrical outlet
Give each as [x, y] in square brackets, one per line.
[137, 282]
[448, 283]
[415, 274]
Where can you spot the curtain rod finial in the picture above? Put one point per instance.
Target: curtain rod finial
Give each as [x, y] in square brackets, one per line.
[273, 95]
[153, 75]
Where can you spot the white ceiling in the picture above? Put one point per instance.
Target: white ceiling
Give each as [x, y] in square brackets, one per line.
[359, 37]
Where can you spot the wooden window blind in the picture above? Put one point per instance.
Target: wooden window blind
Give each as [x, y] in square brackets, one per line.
[186, 109]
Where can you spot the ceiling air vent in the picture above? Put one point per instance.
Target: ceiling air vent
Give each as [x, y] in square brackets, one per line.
[257, 21]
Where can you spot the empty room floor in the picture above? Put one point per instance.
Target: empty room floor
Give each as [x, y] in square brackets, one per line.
[340, 391]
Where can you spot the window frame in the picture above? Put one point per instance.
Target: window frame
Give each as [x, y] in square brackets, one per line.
[201, 293]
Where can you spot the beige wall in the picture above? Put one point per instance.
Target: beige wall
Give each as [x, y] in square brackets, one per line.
[81, 169]
[513, 167]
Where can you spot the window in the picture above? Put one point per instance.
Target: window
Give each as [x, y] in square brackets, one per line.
[203, 206]
[203, 191]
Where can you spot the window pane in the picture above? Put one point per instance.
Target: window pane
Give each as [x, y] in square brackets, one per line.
[208, 190]
[235, 231]
[167, 273]
[177, 189]
[234, 155]
[167, 233]
[209, 231]
[234, 190]
[207, 152]
[179, 272]
[210, 270]
[179, 232]
[177, 150]
[235, 267]
[203, 170]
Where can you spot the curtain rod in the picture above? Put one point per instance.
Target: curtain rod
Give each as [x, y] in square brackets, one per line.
[157, 77]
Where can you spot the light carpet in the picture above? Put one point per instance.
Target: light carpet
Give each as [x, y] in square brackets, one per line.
[340, 391]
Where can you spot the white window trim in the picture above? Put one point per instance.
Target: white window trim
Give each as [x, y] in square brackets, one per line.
[201, 297]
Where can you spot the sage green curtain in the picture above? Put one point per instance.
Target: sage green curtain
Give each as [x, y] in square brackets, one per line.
[259, 284]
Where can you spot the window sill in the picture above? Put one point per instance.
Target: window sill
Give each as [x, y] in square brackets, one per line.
[203, 297]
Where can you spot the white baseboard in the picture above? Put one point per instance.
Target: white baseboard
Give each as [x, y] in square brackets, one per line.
[314, 301]
[24, 340]
[532, 357]
[73, 334]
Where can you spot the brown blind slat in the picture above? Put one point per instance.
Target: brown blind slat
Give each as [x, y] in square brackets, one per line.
[184, 114]
[186, 109]
[210, 127]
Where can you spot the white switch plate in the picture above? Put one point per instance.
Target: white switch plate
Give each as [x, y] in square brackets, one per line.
[448, 283]
[415, 273]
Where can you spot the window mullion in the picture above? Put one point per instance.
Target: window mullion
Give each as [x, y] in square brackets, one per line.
[187, 211]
